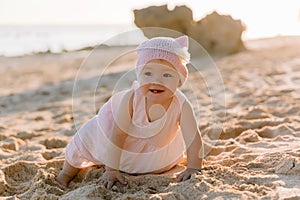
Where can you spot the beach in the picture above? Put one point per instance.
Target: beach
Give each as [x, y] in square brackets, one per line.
[252, 153]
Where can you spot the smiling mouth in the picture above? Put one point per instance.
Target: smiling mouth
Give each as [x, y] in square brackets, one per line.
[154, 91]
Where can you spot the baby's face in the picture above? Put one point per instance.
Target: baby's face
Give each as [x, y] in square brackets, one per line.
[159, 78]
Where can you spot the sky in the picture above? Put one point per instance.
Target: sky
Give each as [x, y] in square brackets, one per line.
[263, 18]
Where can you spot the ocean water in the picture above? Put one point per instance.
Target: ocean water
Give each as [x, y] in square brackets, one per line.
[23, 40]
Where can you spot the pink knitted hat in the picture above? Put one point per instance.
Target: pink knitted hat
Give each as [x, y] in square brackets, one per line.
[173, 50]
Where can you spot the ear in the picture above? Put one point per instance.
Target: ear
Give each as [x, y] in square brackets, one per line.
[179, 84]
[183, 41]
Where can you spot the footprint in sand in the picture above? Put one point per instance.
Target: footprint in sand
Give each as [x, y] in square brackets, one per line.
[17, 177]
[248, 136]
[54, 143]
[255, 113]
[11, 144]
[27, 135]
[63, 117]
[287, 165]
[296, 80]
[236, 129]
[272, 132]
[48, 155]
[2, 128]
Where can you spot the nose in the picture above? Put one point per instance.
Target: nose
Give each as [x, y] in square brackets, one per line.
[156, 80]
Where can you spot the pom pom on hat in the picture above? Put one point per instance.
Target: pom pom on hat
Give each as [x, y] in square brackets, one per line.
[173, 50]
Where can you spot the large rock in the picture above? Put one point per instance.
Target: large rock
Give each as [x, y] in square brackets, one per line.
[218, 34]
[178, 19]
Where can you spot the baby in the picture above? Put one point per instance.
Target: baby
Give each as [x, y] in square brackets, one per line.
[146, 129]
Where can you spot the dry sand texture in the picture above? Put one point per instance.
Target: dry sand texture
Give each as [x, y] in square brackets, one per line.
[257, 154]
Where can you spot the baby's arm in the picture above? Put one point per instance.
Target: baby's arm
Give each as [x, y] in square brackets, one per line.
[121, 125]
[193, 142]
[112, 173]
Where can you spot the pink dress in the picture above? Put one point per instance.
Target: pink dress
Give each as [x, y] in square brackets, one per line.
[150, 146]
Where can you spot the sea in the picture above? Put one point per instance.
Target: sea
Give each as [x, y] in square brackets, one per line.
[25, 40]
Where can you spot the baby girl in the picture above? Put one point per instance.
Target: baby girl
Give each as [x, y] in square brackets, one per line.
[149, 128]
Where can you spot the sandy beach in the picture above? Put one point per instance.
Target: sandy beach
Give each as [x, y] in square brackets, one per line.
[44, 98]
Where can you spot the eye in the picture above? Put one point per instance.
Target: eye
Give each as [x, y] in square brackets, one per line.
[167, 75]
[147, 73]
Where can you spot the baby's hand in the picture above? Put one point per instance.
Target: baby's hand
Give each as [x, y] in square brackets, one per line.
[110, 176]
[186, 174]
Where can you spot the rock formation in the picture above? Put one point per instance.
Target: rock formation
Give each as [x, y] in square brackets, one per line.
[218, 34]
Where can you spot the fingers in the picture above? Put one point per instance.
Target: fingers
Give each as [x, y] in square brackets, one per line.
[183, 177]
[187, 175]
[110, 184]
[107, 183]
[109, 180]
[179, 177]
[103, 182]
[121, 179]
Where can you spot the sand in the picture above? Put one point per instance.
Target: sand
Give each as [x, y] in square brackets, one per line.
[254, 154]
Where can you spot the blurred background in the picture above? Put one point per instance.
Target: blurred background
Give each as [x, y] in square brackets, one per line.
[32, 26]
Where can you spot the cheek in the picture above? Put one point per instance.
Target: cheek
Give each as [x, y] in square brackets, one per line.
[172, 85]
[172, 82]
[143, 82]
[143, 89]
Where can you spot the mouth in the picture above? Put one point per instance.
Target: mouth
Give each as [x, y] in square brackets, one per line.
[156, 91]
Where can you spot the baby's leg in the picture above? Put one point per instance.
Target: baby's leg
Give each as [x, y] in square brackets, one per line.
[67, 174]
